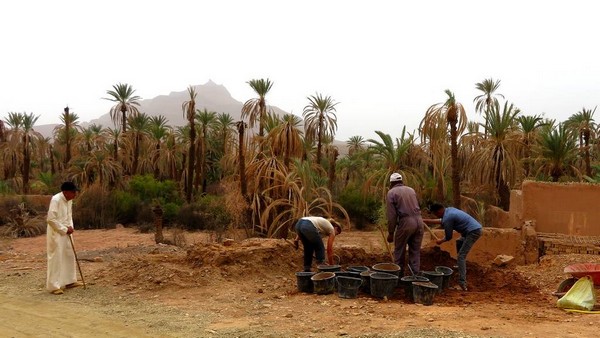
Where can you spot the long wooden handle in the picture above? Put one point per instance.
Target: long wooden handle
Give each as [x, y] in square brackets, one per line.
[430, 231]
[77, 260]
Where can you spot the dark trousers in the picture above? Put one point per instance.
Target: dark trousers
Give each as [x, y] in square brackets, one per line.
[463, 246]
[312, 243]
[409, 231]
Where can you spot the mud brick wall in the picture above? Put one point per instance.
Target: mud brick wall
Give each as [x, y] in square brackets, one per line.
[521, 244]
[557, 244]
[564, 208]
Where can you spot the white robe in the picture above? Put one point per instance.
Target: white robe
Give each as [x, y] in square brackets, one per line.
[61, 260]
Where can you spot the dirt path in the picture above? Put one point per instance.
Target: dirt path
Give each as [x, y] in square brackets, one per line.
[140, 289]
[34, 317]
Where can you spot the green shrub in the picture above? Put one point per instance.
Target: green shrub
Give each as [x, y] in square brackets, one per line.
[207, 213]
[362, 210]
[148, 189]
[94, 208]
[126, 206]
[170, 212]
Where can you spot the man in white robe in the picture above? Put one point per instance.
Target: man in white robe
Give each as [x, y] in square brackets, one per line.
[61, 271]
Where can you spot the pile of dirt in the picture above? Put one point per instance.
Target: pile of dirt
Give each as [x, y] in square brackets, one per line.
[275, 262]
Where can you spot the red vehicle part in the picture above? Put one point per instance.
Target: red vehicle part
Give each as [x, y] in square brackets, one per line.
[585, 269]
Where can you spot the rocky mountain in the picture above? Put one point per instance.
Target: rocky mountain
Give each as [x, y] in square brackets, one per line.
[210, 95]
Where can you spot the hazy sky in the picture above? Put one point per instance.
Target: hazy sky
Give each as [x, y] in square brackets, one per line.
[385, 62]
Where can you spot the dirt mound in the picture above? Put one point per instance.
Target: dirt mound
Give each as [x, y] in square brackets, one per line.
[274, 262]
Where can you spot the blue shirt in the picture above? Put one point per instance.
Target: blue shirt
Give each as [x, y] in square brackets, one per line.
[456, 219]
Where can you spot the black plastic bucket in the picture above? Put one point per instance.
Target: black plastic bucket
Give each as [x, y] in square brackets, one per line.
[424, 292]
[436, 278]
[447, 274]
[406, 283]
[383, 284]
[354, 274]
[323, 283]
[329, 268]
[366, 281]
[358, 268]
[348, 286]
[304, 282]
[392, 268]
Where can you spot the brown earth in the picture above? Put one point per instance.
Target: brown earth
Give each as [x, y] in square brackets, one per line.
[248, 289]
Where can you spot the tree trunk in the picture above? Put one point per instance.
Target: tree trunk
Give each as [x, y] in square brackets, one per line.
[455, 169]
[191, 157]
[158, 224]
[331, 175]
[242, 160]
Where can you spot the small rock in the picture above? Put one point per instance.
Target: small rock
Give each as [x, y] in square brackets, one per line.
[288, 315]
[502, 260]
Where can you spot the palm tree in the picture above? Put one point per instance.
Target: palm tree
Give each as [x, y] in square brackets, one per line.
[455, 116]
[556, 151]
[320, 120]
[286, 138]
[173, 157]
[206, 123]
[224, 127]
[11, 155]
[97, 167]
[583, 123]
[69, 120]
[355, 144]
[114, 138]
[158, 131]
[44, 152]
[434, 138]
[496, 161]
[530, 126]
[127, 102]
[390, 156]
[485, 101]
[90, 138]
[28, 134]
[139, 124]
[189, 111]
[256, 109]
[241, 128]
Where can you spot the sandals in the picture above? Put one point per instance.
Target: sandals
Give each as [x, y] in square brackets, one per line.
[57, 292]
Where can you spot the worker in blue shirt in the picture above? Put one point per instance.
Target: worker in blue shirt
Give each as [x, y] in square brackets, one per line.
[453, 219]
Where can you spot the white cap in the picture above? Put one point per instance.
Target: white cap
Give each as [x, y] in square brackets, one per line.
[395, 177]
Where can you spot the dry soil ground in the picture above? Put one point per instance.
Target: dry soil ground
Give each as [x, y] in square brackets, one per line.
[136, 288]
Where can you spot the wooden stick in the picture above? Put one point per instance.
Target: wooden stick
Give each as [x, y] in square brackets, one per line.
[430, 231]
[77, 260]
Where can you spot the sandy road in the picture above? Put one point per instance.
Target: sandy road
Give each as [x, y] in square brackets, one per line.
[43, 317]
